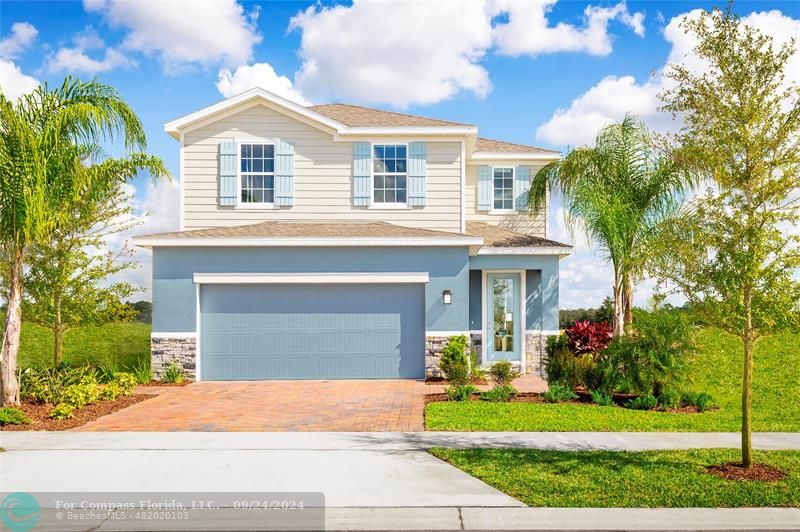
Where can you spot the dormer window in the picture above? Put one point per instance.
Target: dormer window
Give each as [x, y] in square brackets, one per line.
[257, 173]
[389, 174]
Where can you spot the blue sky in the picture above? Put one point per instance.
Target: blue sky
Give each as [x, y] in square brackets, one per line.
[548, 73]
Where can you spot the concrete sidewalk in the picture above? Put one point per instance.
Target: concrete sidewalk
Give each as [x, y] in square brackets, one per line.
[470, 518]
[389, 441]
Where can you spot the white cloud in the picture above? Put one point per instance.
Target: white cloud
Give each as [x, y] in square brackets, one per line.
[258, 75]
[88, 39]
[613, 96]
[74, 60]
[184, 33]
[13, 83]
[158, 210]
[22, 36]
[528, 31]
[397, 53]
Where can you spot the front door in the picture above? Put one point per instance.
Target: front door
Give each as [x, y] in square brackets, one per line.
[504, 328]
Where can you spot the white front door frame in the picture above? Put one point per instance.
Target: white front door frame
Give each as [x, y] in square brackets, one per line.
[485, 327]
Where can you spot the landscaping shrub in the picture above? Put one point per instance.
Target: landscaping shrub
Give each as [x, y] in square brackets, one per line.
[47, 385]
[502, 373]
[13, 416]
[558, 394]
[559, 362]
[499, 394]
[643, 402]
[701, 400]
[62, 411]
[106, 370]
[454, 363]
[653, 357]
[476, 372]
[602, 398]
[110, 392]
[460, 392]
[125, 381]
[669, 398]
[80, 395]
[173, 373]
[142, 371]
[584, 367]
[588, 338]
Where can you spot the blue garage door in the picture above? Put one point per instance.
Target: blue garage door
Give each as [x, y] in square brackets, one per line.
[257, 332]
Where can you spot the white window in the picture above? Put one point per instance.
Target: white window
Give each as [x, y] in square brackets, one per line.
[503, 189]
[257, 173]
[389, 173]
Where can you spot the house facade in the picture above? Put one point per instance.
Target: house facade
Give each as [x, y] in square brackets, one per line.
[340, 242]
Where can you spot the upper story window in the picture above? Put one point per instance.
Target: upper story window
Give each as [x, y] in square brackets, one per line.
[257, 173]
[389, 163]
[503, 189]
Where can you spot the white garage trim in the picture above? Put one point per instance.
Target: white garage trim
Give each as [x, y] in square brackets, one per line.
[171, 335]
[312, 278]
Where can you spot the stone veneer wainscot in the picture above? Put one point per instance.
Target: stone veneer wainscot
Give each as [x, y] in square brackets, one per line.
[183, 350]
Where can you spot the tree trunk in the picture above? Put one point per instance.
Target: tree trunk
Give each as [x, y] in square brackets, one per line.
[628, 300]
[619, 305]
[9, 386]
[58, 330]
[747, 381]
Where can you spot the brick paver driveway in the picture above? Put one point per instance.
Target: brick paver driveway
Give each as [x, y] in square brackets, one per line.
[374, 405]
[328, 406]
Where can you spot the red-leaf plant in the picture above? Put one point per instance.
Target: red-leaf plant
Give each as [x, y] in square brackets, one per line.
[586, 337]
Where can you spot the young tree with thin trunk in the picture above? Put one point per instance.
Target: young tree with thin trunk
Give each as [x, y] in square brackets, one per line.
[734, 253]
[66, 283]
[617, 192]
[42, 138]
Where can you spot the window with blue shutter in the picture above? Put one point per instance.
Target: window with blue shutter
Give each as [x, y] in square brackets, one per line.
[522, 184]
[227, 173]
[362, 171]
[284, 173]
[485, 189]
[417, 163]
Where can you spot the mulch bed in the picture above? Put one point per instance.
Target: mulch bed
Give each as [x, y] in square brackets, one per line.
[584, 399]
[168, 384]
[758, 472]
[39, 421]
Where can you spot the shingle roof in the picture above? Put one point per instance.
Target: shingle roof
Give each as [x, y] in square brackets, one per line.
[491, 145]
[310, 230]
[499, 237]
[356, 116]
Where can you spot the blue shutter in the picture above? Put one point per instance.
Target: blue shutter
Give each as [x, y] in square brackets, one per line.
[417, 162]
[362, 173]
[227, 173]
[284, 173]
[522, 184]
[485, 189]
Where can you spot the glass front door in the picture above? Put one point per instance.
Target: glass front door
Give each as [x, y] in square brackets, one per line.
[504, 328]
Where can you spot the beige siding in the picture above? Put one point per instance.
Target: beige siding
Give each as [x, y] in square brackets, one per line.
[522, 223]
[323, 177]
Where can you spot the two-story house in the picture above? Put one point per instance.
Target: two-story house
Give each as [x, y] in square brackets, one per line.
[340, 242]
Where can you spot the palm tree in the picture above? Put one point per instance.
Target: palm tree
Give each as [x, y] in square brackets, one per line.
[617, 192]
[43, 137]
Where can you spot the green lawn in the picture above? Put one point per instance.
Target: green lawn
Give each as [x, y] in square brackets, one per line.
[120, 343]
[607, 479]
[716, 369]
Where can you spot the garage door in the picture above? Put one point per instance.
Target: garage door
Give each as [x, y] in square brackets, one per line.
[346, 331]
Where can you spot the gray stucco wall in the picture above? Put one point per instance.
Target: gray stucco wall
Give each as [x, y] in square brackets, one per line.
[541, 285]
[174, 298]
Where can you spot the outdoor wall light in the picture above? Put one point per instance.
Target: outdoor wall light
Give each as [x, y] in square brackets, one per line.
[447, 297]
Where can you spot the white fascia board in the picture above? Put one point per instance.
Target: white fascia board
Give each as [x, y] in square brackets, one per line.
[173, 127]
[148, 242]
[544, 250]
[313, 278]
[505, 156]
